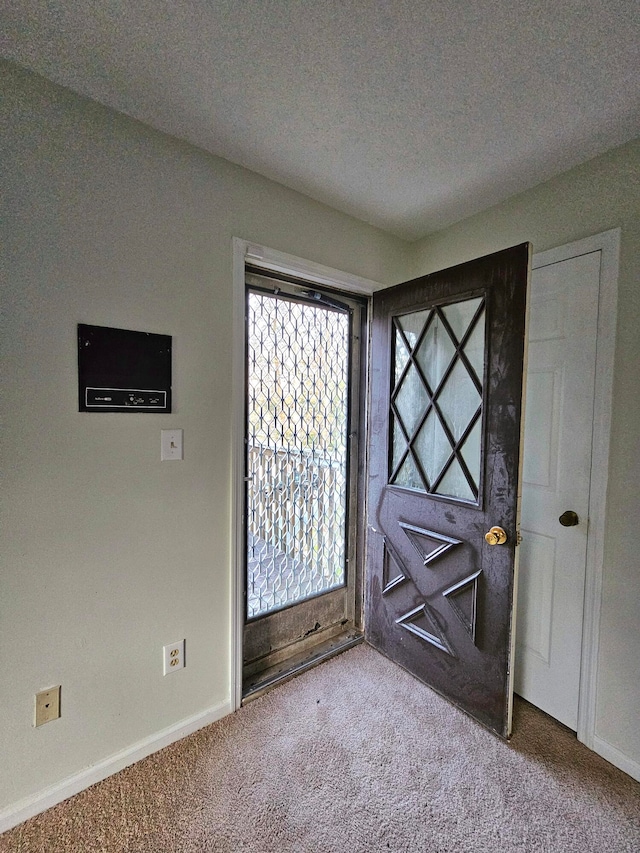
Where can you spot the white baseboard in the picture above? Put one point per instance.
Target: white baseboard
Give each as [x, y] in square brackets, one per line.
[616, 757]
[51, 796]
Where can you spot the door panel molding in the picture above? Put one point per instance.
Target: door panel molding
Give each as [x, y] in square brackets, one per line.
[608, 244]
[442, 608]
[264, 258]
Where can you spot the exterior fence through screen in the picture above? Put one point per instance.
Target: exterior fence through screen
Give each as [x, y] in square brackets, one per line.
[297, 451]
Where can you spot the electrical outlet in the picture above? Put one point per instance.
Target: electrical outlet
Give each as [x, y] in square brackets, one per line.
[47, 705]
[173, 657]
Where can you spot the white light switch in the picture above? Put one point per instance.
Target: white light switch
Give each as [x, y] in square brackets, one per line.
[170, 444]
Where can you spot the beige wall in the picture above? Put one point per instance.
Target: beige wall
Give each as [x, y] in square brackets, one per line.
[109, 554]
[601, 194]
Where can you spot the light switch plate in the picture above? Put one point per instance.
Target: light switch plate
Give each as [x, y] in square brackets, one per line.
[170, 444]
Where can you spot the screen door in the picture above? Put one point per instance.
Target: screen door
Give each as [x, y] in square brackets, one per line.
[302, 414]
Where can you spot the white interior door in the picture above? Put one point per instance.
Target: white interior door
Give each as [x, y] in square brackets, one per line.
[557, 466]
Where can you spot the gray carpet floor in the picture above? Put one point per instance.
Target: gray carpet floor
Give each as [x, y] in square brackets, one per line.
[356, 756]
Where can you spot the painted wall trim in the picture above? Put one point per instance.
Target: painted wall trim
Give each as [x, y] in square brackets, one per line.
[616, 757]
[272, 259]
[267, 259]
[608, 244]
[51, 796]
[240, 248]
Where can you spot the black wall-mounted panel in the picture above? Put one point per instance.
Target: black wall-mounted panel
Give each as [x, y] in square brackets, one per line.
[123, 371]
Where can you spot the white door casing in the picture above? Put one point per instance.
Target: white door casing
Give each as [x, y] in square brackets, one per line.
[264, 258]
[572, 325]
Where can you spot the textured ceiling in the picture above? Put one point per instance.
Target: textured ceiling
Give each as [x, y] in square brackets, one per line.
[409, 114]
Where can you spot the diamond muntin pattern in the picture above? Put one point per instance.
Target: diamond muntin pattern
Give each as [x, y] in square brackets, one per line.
[297, 409]
[436, 399]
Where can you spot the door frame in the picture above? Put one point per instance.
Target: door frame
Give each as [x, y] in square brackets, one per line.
[608, 244]
[263, 258]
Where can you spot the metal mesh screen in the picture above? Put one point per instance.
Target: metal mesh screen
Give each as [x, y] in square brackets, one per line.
[297, 412]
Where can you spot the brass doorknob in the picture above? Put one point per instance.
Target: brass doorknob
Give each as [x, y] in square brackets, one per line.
[496, 536]
[569, 518]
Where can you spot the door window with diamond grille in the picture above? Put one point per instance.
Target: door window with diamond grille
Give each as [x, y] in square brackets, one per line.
[298, 354]
[436, 400]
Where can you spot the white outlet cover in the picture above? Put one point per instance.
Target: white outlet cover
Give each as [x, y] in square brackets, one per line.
[170, 444]
[173, 657]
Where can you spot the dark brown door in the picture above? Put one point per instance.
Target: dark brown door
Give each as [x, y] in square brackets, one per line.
[444, 460]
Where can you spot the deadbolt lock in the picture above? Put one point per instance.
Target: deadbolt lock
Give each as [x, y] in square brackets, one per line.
[496, 536]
